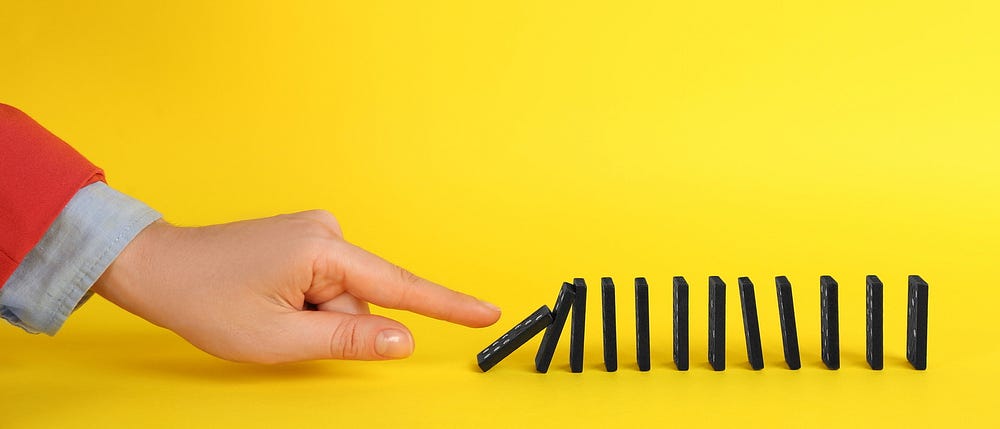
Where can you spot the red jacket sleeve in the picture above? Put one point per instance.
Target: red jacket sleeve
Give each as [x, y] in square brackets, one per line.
[39, 174]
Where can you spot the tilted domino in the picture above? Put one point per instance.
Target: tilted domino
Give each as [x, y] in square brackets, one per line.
[514, 338]
[751, 326]
[551, 337]
[786, 313]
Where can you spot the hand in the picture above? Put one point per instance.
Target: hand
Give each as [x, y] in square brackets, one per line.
[279, 289]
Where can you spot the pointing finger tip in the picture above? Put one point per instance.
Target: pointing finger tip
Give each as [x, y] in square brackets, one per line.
[490, 306]
[487, 317]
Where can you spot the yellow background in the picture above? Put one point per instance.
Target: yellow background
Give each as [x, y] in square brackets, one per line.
[501, 148]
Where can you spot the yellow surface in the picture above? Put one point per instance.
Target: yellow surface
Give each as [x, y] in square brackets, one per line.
[501, 148]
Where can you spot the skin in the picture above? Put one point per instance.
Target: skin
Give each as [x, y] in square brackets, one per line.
[279, 289]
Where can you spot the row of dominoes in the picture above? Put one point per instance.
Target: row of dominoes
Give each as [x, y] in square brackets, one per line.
[574, 296]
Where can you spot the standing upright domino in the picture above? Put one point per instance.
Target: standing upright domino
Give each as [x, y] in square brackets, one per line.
[786, 313]
[829, 322]
[564, 302]
[916, 323]
[642, 323]
[681, 342]
[610, 324]
[751, 326]
[717, 323]
[576, 330]
[873, 321]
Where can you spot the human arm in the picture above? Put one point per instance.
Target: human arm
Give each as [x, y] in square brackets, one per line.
[268, 290]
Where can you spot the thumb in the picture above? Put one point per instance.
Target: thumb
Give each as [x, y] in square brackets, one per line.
[332, 335]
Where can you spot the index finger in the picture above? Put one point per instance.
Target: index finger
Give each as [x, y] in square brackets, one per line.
[373, 279]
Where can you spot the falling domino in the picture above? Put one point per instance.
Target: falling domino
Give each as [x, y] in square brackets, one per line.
[717, 323]
[551, 337]
[681, 347]
[873, 322]
[577, 328]
[514, 338]
[829, 322]
[751, 326]
[916, 323]
[786, 312]
[610, 322]
[642, 323]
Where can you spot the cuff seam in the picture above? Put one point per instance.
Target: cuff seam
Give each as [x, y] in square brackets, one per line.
[87, 277]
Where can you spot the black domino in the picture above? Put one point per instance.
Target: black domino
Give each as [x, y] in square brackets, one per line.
[610, 328]
[514, 338]
[642, 323]
[578, 326]
[873, 322]
[786, 313]
[551, 337]
[717, 323]
[916, 323]
[829, 322]
[751, 326]
[681, 343]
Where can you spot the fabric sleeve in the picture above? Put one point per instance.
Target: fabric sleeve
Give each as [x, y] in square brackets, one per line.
[57, 274]
[39, 174]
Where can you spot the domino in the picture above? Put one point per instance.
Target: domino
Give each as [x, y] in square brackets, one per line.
[829, 322]
[916, 323]
[514, 338]
[578, 326]
[681, 343]
[751, 326]
[564, 301]
[873, 322]
[642, 323]
[786, 313]
[610, 328]
[717, 323]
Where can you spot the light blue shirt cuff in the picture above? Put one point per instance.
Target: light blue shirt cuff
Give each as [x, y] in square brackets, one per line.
[56, 276]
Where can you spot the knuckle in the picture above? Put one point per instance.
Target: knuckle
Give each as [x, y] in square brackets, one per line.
[325, 219]
[320, 214]
[346, 342]
[327, 269]
[404, 295]
[406, 276]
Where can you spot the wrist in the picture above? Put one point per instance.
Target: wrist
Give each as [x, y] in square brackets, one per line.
[121, 283]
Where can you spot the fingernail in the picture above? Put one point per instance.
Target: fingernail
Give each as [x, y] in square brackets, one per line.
[490, 306]
[393, 344]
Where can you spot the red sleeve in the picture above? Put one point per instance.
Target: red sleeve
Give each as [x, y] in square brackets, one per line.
[39, 174]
